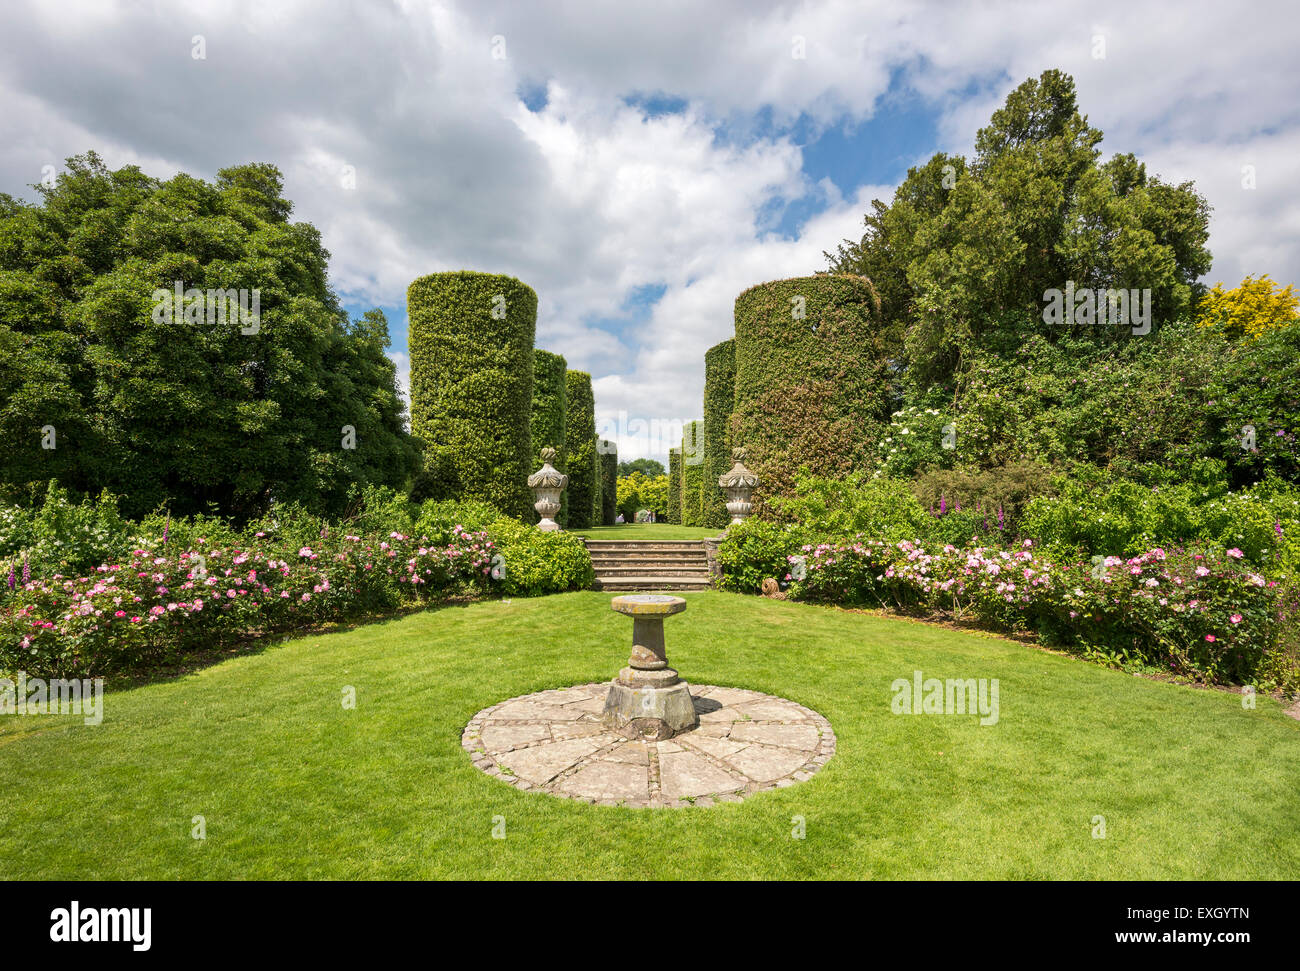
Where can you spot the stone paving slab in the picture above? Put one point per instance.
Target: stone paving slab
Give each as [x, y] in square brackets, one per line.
[553, 742]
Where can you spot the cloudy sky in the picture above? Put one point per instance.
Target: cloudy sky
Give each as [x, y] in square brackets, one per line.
[638, 164]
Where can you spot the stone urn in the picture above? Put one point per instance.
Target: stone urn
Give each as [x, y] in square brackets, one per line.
[547, 484]
[738, 484]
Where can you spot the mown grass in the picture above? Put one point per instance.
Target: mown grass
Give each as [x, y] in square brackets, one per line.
[292, 784]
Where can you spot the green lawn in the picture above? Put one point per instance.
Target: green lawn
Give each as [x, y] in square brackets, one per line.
[293, 785]
[647, 531]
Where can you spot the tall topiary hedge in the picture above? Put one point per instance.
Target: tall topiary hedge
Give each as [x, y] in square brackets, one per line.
[550, 412]
[608, 482]
[471, 346]
[719, 403]
[693, 474]
[675, 485]
[580, 443]
[812, 379]
[597, 499]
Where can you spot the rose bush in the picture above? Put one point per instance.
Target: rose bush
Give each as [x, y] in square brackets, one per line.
[1200, 613]
[161, 601]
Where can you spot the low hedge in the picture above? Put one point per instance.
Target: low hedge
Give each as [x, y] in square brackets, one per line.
[534, 563]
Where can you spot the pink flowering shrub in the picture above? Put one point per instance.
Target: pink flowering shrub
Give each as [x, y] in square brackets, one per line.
[161, 602]
[1202, 614]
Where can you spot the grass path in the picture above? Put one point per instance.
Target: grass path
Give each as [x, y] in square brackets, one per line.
[293, 785]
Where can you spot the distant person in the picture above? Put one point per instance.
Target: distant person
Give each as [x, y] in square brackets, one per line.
[618, 518]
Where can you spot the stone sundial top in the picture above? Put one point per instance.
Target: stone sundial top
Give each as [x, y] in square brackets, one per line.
[648, 605]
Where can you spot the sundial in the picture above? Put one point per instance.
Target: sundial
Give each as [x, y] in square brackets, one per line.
[647, 699]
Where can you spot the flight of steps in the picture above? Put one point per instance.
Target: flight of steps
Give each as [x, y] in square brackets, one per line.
[626, 565]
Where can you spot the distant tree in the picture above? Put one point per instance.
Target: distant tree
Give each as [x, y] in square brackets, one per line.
[106, 384]
[1250, 310]
[638, 491]
[963, 255]
[644, 466]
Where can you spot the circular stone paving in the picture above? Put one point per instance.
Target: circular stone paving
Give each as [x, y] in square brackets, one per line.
[554, 742]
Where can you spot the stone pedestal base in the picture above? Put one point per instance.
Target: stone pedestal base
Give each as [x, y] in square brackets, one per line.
[549, 526]
[649, 712]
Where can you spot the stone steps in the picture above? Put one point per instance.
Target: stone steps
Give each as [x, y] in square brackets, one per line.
[651, 584]
[649, 558]
[642, 570]
[632, 546]
[627, 565]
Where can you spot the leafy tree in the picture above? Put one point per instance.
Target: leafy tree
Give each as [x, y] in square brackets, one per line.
[647, 467]
[637, 491]
[289, 402]
[964, 254]
[1250, 310]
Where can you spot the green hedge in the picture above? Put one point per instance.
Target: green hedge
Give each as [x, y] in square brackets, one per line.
[608, 482]
[471, 346]
[675, 486]
[580, 444]
[719, 403]
[811, 390]
[693, 474]
[550, 415]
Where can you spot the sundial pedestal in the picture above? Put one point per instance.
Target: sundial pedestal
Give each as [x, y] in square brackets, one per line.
[647, 699]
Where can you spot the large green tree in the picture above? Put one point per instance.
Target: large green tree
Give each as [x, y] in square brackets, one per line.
[107, 383]
[963, 256]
